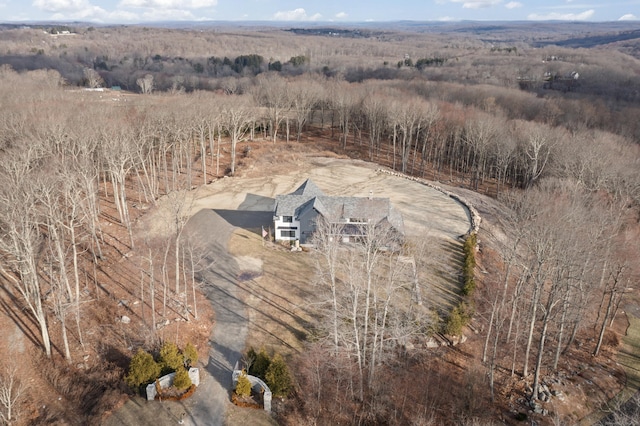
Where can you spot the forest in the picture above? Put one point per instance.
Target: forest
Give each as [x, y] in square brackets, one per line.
[98, 124]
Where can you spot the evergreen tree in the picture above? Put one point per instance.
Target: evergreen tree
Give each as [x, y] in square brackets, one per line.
[142, 369]
[243, 388]
[170, 358]
[181, 380]
[277, 376]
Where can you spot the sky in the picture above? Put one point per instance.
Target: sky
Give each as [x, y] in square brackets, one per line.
[139, 11]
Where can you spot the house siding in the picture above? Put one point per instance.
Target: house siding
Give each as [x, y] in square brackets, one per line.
[281, 225]
[306, 203]
[307, 225]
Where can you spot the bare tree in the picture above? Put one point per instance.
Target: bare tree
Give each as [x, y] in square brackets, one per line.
[11, 393]
[235, 117]
[94, 80]
[272, 92]
[305, 94]
[326, 241]
[145, 83]
[536, 145]
[117, 153]
[375, 111]
[20, 234]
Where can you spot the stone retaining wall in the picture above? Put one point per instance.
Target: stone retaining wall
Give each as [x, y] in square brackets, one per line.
[167, 380]
[257, 385]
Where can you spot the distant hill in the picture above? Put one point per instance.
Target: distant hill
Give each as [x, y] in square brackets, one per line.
[592, 40]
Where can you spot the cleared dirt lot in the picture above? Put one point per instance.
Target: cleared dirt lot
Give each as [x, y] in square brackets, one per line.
[424, 209]
[262, 294]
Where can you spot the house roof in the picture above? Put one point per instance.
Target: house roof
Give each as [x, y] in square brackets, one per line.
[291, 204]
[309, 196]
[308, 188]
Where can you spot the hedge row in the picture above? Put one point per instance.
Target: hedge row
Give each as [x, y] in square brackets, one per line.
[461, 315]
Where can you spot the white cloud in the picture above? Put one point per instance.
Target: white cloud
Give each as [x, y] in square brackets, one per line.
[555, 16]
[61, 5]
[298, 14]
[341, 15]
[96, 14]
[168, 5]
[447, 19]
[628, 17]
[477, 4]
[513, 5]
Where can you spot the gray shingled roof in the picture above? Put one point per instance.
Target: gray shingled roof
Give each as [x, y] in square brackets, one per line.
[308, 195]
[308, 188]
[291, 204]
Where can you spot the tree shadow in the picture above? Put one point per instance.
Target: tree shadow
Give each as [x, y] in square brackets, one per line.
[14, 310]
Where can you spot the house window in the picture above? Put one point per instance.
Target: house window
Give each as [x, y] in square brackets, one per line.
[287, 234]
[287, 219]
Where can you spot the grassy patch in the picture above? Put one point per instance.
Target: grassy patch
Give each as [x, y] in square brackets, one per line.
[280, 298]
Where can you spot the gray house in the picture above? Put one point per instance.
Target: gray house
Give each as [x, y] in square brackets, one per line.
[295, 215]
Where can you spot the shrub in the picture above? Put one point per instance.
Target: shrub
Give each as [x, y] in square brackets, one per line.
[181, 380]
[453, 326]
[190, 354]
[170, 358]
[261, 364]
[469, 248]
[142, 369]
[277, 376]
[459, 317]
[243, 388]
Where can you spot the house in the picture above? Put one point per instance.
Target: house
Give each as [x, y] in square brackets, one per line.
[296, 214]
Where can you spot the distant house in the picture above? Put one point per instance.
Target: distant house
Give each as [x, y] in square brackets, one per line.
[296, 214]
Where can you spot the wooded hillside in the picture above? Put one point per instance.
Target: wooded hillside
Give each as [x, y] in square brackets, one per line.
[560, 156]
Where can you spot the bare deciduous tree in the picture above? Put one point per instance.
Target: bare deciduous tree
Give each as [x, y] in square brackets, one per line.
[235, 117]
[11, 393]
[145, 83]
[94, 80]
[272, 92]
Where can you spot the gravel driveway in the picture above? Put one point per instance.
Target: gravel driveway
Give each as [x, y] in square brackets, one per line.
[212, 398]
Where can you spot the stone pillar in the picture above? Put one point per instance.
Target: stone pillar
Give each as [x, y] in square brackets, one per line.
[267, 400]
[194, 375]
[151, 392]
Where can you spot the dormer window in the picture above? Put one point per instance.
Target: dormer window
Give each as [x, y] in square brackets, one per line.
[287, 219]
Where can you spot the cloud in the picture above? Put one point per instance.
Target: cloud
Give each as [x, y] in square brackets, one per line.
[628, 17]
[56, 6]
[447, 19]
[168, 5]
[477, 4]
[298, 14]
[513, 5]
[555, 16]
[341, 15]
[94, 13]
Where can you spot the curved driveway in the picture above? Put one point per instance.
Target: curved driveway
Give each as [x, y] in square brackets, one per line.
[230, 331]
[212, 398]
